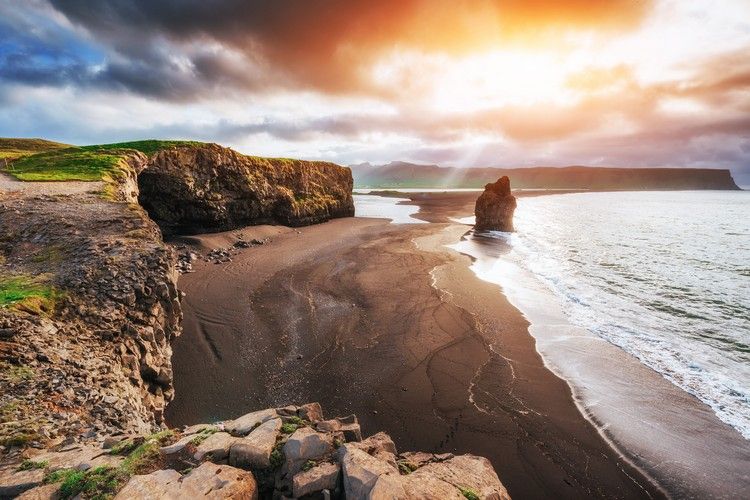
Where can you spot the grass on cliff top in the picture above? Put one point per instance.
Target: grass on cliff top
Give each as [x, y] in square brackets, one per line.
[11, 148]
[84, 163]
[26, 294]
[147, 147]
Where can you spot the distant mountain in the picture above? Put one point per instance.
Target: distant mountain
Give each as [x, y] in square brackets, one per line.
[399, 174]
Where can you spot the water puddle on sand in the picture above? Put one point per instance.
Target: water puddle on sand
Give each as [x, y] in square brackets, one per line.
[385, 207]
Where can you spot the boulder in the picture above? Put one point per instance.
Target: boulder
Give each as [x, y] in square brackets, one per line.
[323, 476]
[216, 445]
[361, 471]
[465, 472]
[495, 206]
[177, 446]
[159, 484]
[13, 482]
[207, 481]
[306, 444]
[254, 450]
[311, 412]
[209, 188]
[44, 492]
[246, 423]
[219, 481]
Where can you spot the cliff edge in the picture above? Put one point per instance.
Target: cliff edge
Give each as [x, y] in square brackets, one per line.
[210, 188]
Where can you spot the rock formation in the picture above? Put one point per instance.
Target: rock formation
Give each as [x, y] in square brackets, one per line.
[93, 354]
[290, 452]
[495, 206]
[209, 188]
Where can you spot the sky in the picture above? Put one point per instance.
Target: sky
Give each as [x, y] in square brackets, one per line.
[452, 82]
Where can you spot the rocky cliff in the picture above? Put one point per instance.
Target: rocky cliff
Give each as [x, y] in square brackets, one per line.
[209, 188]
[290, 452]
[90, 309]
[495, 206]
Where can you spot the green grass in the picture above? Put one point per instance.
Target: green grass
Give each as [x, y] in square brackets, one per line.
[27, 294]
[15, 373]
[31, 464]
[84, 163]
[147, 147]
[11, 148]
[99, 483]
[289, 428]
[102, 483]
[71, 164]
[203, 435]
[146, 454]
[468, 493]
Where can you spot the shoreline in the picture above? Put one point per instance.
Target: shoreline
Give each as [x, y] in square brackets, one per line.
[304, 317]
[627, 416]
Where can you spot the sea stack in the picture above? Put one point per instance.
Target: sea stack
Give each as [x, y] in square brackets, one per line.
[494, 208]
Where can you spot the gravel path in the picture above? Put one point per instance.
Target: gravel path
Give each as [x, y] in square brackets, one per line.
[9, 184]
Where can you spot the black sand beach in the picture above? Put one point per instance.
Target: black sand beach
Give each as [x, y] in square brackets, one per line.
[383, 321]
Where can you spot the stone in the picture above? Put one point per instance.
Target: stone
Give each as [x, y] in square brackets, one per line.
[159, 484]
[361, 471]
[177, 446]
[311, 412]
[380, 442]
[219, 481]
[254, 450]
[195, 429]
[323, 476]
[352, 432]
[306, 444]
[206, 481]
[44, 492]
[328, 426]
[287, 411]
[14, 482]
[465, 471]
[494, 207]
[246, 423]
[216, 445]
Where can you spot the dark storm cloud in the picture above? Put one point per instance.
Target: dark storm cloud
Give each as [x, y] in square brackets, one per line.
[322, 45]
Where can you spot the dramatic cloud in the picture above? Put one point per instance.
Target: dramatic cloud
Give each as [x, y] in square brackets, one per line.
[506, 82]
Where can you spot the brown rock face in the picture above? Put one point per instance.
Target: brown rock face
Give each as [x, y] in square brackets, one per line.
[210, 188]
[494, 208]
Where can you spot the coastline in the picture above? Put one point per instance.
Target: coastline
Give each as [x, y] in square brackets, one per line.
[384, 321]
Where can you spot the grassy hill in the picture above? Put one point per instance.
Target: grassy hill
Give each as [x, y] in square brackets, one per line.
[11, 148]
[62, 162]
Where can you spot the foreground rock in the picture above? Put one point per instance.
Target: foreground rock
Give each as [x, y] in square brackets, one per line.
[289, 452]
[209, 188]
[495, 206]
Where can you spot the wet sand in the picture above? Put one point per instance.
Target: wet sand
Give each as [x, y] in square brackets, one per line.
[383, 321]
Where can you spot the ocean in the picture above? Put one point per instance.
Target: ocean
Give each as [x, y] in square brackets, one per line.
[641, 302]
[665, 276]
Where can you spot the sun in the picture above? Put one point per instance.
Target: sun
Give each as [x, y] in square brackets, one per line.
[454, 84]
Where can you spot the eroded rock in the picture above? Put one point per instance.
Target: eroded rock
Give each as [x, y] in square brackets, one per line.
[209, 188]
[495, 206]
[254, 450]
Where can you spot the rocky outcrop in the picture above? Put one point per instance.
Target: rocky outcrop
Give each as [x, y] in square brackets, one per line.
[89, 351]
[209, 188]
[290, 452]
[495, 206]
